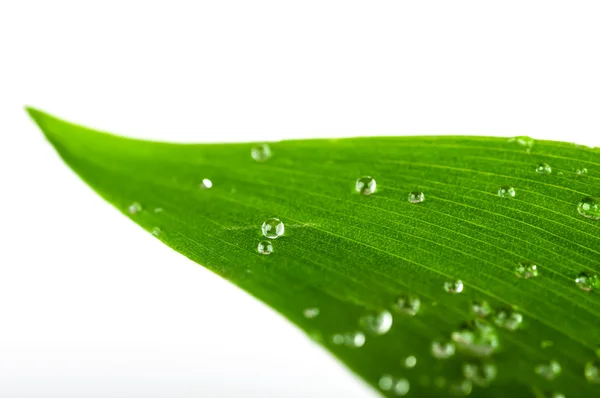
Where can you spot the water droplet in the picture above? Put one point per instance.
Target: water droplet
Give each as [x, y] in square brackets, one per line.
[311, 313]
[546, 344]
[453, 287]
[548, 370]
[156, 231]
[526, 270]
[506, 191]
[273, 228]
[158, 210]
[134, 208]
[407, 304]
[416, 197]
[581, 172]
[477, 338]
[508, 319]
[592, 371]
[410, 361]
[353, 340]
[442, 349]
[482, 374]
[552, 394]
[524, 141]
[589, 207]
[543, 168]
[265, 247]
[377, 323]
[206, 184]
[366, 185]
[461, 388]
[586, 281]
[399, 387]
[481, 308]
[261, 152]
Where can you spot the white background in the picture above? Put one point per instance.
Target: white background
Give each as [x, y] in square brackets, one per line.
[90, 306]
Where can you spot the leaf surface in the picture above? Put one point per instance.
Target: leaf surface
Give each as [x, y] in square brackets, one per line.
[350, 255]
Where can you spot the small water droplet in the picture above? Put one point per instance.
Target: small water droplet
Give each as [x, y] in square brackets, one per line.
[506, 191]
[508, 319]
[442, 349]
[524, 141]
[481, 308]
[454, 287]
[265, 247]
[586, 281]
[549, 370]
[206, 184]
[377, 323]
[156, 231]
[410, 361]
[581, 172]
[589, 207]
[543, 168]
[482, 374]
[546, 344]
[158, 210]
[311, 312]
[407, 304]
[526, 270]
[261, 152]
[366, 185]
[592, 371]
[273, 228]
[461, 388]
[134, 208]
[399, 387]
[416, 197]
[476, 338]
[353, 339]
[552, 394]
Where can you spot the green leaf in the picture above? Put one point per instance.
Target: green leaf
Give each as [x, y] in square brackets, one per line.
[348, 254]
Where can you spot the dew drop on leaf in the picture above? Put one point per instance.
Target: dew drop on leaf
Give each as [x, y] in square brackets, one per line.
[377, 323]
[407, 304]
[206, 184]
[352, 339]
[476, 338]
[454, 287]
[592, 371]
[273, 228]
[399, 387]
[366, 185]
[416, 197]
[549, 370]
[410, 361]
[156, 231]
[261, 152]
[481, 308]
[526, 270]
[553, 394]
[134, 208]
[461, 388]
[546, 343]
[311, 312]
[589, 207]
[265, 247]
[442, 349]
[508, 319]
[581, 172]
[506, 191]
[586, 281]
[480, 373]
[524, 141]
[543, 168]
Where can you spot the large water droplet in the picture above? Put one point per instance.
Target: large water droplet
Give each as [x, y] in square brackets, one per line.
[273, 228]
[508, 319]
[506, 191]
[265, 247]
[416, 197]
[549, 370]
[407, 304]
[442, 349]
[480, 373]
[134, 208]
[477, 338]
[481, 308]
[206, 184]
[399, 387]
[352, 339]
[524, 141]
[410, 361]
[526, 270]
[589, 207]
[592, 371]
[461, 388]
[586, 281]
[454, 287]
[366, 185]
[261, 152]
[377, 323]
[543, 168]
[311, 312]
